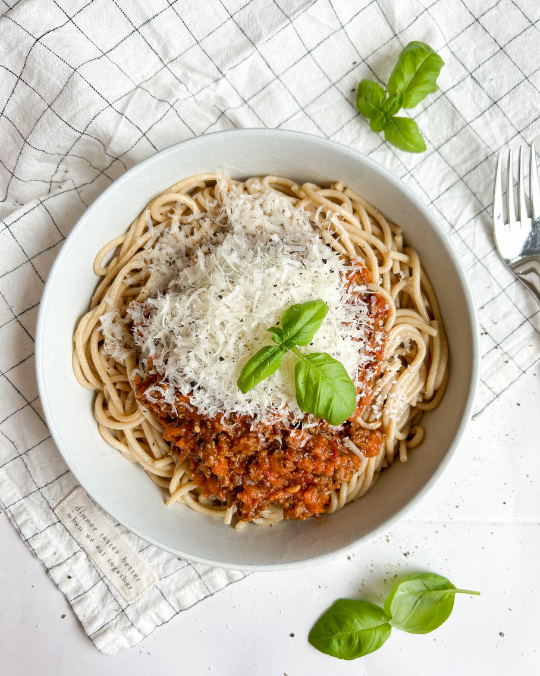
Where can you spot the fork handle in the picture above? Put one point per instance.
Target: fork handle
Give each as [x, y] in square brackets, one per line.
[528, 270]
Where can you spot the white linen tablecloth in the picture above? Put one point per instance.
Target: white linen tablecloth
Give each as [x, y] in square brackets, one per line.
[88, 89]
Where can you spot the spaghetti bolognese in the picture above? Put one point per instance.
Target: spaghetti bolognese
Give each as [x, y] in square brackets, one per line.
[185, 298]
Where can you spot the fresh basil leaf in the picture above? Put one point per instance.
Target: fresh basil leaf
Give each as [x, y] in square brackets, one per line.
[393, 103]
[301, 322]
[350, 629]
[323, 387]
[415, 74]
[422, 603]
[370, 99]
[277, 334]
[263, 363]
[378, 122]
[402, 132]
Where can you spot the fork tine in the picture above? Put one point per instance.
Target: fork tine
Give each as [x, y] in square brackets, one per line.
[534, 189]
[498, 195]
[522, 205]
[510, 210]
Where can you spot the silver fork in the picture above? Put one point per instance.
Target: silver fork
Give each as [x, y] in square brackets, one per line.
[518, 241]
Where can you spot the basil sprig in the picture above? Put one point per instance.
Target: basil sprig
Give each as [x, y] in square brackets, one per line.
[350, 629]
[413, 78]
[323, 386]
[418, 605]
[422, 603]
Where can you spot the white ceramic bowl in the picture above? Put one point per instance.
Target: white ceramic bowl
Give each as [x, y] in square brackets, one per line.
[122, 488]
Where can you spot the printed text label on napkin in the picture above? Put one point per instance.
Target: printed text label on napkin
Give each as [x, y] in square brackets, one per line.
[94, 530]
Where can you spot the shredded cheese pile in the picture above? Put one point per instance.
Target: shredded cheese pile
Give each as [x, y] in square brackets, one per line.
[202, 328]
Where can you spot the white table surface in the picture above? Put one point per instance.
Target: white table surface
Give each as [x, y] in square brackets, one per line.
[480, 527]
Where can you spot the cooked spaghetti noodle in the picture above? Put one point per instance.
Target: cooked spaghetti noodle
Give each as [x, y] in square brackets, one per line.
[409, 375]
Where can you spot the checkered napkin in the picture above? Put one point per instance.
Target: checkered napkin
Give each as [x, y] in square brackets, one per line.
[88, 89]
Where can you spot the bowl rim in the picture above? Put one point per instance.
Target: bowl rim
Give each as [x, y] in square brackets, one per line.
[399, 185]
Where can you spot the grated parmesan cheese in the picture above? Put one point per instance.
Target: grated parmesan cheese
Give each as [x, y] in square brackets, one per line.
[116, 336]
[214, 303]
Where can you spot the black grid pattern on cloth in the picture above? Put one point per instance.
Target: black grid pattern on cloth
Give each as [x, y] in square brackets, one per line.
[90, 88]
